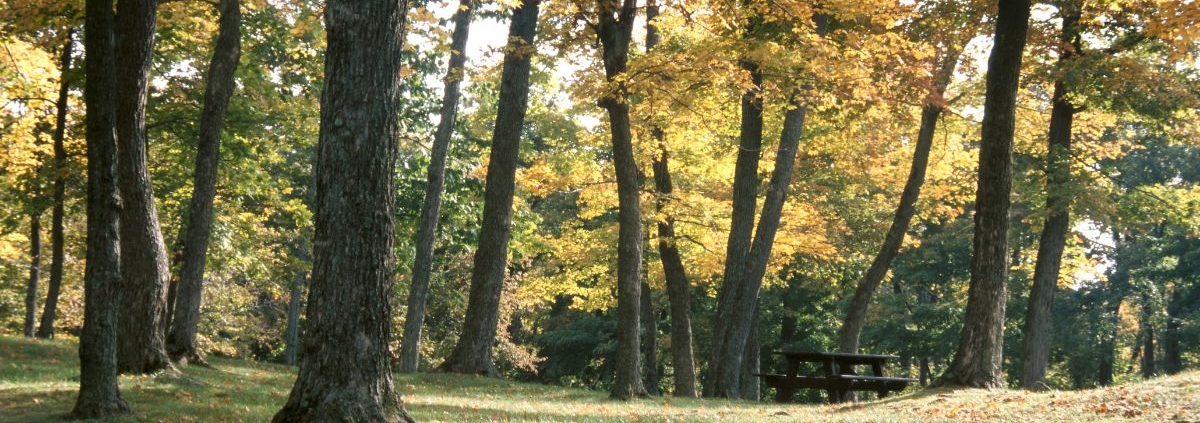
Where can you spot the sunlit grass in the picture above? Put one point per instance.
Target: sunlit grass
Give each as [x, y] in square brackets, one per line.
[39, 379]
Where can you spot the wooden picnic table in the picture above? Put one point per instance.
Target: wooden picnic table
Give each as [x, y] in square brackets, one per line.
[837, 375]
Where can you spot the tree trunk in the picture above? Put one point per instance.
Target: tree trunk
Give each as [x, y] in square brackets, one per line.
[292, 333]
[979, 357]
[473, 352]
[345, 372]
[678, 287]
[35, 267]
[751, 389]
[741, 302]
[410, 342]
[1035, 348]
[181, 342]
[924, 372]
[856, 312]
[649, 342]
[1147, 339]
[50, 309]
[745, 187]
[99, 395]
[141, 348]
[614, 31]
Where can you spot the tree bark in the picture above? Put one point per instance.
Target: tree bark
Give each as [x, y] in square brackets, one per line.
[345, 372]
[978, 360]
[678, 287]
[292, 333]
[50, 309]
[473, 352]
[856, 312]
[35, 268]
[99, 395]
[649, 342]
[410, 342]
[1035, 348]
[181, 342]
[742, 299]
[141, 348]
[614, 31]
[1147, 339]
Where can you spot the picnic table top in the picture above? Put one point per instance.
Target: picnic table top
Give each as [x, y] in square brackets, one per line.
[837, 356]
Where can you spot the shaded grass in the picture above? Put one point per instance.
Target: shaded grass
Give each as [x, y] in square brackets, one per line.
[39, 380]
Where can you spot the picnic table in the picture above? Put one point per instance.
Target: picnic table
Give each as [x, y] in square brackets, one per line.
[837, 375]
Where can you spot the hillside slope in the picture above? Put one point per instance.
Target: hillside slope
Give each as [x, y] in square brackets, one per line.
[39, 379]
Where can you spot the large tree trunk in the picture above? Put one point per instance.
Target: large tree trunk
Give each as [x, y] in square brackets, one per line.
[751, 384]
[979, 357]
[181, 342]
[410, 342]
[735, 317]
[99, 395]
[1147, 339]
[1172, 356]
[614, 31]
[473, 352]
[50, 309]
[345, 371]
[856, 312]
[649, 342]
[745, 187]
[1035, 348]
[291, 336]
[678, 288]
[35, 268]
[141, 347]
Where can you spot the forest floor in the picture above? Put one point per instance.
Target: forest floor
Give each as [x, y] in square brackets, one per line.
[39, 381]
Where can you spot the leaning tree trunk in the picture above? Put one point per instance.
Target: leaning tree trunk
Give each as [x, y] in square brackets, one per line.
[473, 352]
[1035, 347]
[745, 187]
[141, 348]
[50, 309]
[410, 342]
[99, 395]
[614, 31]
[35, 268]
[678, 288]
[181, 341]
[649, 342]
[742, 300]
[856, 312]
[345, 366]
[979, 357]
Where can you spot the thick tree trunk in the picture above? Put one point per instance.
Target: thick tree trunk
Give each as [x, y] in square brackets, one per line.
[614, 31]
[99, 395]
[742, 298]
[50, 309]
[745, 188]
[750, 384]
[856, 312]
[979, 357]
[678, 287]
[35, 268]
[473, 352]
[141, 347]
[924, 372]
[1172, 356]
[1147, 339]
[1035, 348]
[291, 336]
[181, 342]
[410, 342]
[345, 366]
[649, 342]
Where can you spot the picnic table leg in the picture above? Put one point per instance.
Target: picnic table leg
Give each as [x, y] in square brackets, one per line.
[783, 395]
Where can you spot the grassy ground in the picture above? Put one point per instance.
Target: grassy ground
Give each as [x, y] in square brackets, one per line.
[39, 379]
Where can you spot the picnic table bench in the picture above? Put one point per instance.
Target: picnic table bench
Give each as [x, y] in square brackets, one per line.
[837, 375]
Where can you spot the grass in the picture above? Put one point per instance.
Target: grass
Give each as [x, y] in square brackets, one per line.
[39, 380]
